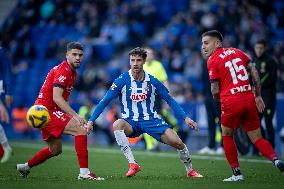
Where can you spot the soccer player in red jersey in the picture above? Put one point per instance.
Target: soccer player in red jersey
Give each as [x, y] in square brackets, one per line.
[229, 70]
[54, 95]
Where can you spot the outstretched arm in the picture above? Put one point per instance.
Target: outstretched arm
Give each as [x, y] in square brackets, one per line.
[179, 111]
[102, 104]
[100, 108]
[256, 81]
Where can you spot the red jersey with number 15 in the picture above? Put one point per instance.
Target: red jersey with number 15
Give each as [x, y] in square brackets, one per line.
[230, 67]
[60, 76]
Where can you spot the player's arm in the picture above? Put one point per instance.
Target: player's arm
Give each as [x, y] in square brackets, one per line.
[64, 105]
[255, 79]
[112, 93]
[257, 85]
[102, 104]
[215, 89]
[179, 112]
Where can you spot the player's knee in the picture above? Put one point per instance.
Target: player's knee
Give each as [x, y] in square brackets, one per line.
[179, 145]
[55, 150]
[81, 131]
[118, 125]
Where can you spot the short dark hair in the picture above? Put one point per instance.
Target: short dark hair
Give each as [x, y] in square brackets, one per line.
[213, 33]
[261, 41]
[139, 51]
[74, 45]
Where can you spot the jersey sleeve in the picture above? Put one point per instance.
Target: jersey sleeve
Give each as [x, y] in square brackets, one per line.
[163, 92]
[212, 70]
[112, 93]
[61, 79]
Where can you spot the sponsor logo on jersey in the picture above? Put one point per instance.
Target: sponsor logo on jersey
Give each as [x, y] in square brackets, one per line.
[138, 97]
[240, 89]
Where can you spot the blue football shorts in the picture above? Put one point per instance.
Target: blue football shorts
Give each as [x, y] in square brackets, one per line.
[154, 127]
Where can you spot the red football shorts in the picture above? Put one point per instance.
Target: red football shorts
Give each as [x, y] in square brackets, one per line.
[57, 123]
[238, 112]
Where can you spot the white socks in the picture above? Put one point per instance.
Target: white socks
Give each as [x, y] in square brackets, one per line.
[27, 167]
[122, 141]
[84, 171]
[3, 138]
[185, 158]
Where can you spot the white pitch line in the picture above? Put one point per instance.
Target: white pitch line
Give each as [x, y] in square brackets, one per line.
[141, 153]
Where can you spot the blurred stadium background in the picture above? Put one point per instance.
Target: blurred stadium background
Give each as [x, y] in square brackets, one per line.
[35, 32]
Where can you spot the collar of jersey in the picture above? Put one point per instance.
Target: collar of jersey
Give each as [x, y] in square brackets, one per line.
[147, 78]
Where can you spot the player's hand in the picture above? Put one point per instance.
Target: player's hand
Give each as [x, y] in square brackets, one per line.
[192, 124]
[4, 116]
[81, 120]
[259, 104]
[89, 127]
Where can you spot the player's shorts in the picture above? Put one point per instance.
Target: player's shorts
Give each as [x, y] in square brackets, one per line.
[240, 112]
[154, 127]
[56, 125]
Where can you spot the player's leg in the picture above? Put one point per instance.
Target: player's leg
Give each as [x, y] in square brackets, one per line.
[54, 148]
[265, 148]
[251, 126]
[4, 142]
[231, 153]
[232, 113]
[171, 138]
[122, 129]
[81, 147]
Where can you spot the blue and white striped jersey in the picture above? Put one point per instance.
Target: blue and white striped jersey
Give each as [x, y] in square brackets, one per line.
[137, 99]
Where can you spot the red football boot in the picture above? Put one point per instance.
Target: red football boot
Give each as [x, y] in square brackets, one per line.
[194, 174]
[133, 169]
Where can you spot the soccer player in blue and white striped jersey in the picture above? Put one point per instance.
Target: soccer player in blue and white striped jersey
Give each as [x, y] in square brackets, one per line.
[137, 92]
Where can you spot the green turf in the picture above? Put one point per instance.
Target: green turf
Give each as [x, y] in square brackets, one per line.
[162, 170]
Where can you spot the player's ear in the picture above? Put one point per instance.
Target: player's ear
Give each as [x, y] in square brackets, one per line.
[218, 43]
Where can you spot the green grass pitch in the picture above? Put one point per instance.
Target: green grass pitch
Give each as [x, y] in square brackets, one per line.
[159, 170]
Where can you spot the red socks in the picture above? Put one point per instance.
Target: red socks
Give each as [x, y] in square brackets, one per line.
[231, 151]
[82, 150]
[40, 157]
[265, 148]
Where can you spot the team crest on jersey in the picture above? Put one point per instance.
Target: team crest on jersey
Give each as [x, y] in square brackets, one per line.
[61, 78]
[138, 97]
[113, 86]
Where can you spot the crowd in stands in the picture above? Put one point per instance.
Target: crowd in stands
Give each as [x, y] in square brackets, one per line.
[36, 31]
